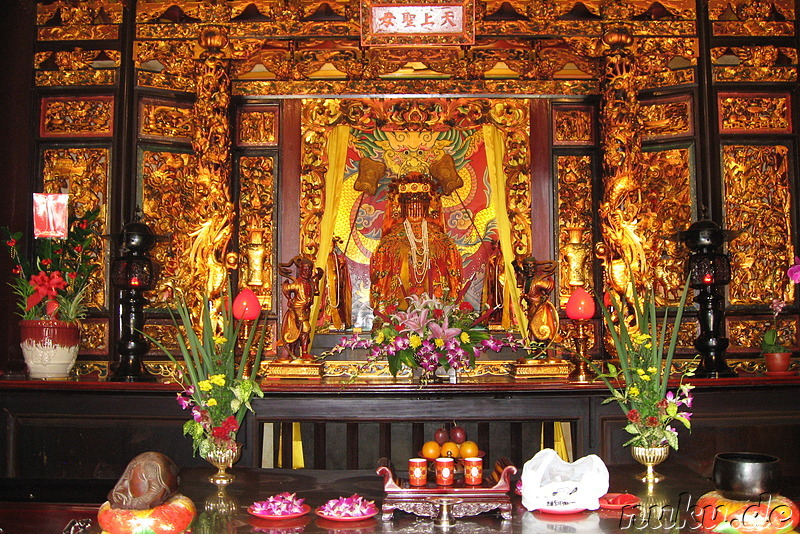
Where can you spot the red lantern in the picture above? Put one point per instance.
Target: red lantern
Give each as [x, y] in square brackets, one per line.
[246, 306]
[580, 306]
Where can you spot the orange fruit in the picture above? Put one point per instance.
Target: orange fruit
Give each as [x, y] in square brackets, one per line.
[431, 450]
[450, 450]
[469, 449]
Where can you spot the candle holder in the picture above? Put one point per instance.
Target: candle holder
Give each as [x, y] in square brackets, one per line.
[580, 309]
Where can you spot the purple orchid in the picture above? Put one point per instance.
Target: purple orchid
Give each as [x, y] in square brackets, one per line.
[794, 271]
[184, 402]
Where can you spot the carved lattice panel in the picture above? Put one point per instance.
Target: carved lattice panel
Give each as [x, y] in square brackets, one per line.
[756, 113]
[573, 125]
[164, 120]
[77, 117]
[667, 118]
[758, 204]
[167, 197]
[83, 173]
[257, 127]
[257, 226]
[666, 208]
[574, 175]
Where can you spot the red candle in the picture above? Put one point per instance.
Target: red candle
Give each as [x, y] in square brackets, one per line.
[418, 471]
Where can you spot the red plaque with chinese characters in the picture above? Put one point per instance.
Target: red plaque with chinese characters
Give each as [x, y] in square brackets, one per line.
[414, 24]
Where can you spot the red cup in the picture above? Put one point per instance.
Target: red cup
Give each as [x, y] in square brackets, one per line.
[444, 471]
[473, 471]
[418, 471]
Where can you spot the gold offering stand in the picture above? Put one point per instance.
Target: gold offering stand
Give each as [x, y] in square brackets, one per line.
[442, 503]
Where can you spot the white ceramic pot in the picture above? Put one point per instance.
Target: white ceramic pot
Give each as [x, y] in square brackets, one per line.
[50, 348]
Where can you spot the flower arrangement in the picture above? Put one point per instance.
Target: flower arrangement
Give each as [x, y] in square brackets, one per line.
[639, 385]
[53, 285]
[771, 341]
[214, 387]
[429, 334]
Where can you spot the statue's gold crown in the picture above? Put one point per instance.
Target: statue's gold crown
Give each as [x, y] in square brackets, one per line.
[413, 185]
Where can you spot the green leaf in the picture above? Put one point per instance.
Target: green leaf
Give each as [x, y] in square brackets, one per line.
[686, 422]
[672, 409]
[672, 440]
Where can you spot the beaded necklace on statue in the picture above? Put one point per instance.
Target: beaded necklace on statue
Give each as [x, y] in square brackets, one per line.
[420, 251]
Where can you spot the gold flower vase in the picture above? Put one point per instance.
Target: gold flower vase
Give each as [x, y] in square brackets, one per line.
[650, 457]
[223, 457]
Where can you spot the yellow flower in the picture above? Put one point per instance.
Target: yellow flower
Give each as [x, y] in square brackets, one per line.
[633, 391]
[220, 340]
[640, 372]
[211, 402]
[651, 370]
[639, 338]
[380, 338]
[646, 378]
[218, 380]
[415, 341]
[464, 337]
[439, 342]
[204, 385]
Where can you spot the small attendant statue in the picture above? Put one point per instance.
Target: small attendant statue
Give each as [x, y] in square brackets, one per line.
[299, 291]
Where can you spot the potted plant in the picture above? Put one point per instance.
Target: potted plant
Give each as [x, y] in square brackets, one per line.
[777, 356]
[640, 384]
[51, 294]
[215, 387]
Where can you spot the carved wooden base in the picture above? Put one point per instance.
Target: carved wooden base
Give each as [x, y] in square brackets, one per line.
[460, 500]
[293, 369]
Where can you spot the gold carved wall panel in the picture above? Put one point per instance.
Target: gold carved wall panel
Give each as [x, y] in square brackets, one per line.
[94, 336]
[77, 117]
[167, 196]
[76, 67]
[164, 120]
[257, 226]
[747, 334]
[257, 127]
[84, 20]
[754, 64]
[666, 208]
[575, 242]
[84, 174]
[667, 118]
[755, 113]
[752, 17]
[758, 204]
[573, 125]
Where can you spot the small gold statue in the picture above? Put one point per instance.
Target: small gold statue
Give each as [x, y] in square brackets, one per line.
[299, 291]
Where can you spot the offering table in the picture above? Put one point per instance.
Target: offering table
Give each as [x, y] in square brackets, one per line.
[663, 507]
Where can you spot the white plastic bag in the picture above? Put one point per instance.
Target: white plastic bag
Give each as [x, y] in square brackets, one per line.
[550, 483]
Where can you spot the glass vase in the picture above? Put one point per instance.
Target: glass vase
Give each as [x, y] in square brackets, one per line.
[223, 456]
[650, 457]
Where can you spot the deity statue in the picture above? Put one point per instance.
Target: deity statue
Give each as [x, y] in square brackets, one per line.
[299, 291]
[535, 278]
[414, 255]
[338, 295]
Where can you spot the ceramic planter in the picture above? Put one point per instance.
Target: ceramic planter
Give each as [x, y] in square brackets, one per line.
[777, 362]
[49, 347]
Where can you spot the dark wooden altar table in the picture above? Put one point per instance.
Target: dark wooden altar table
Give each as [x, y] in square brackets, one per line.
[77, 500]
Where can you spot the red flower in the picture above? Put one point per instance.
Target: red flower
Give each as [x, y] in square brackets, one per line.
[72, 276]
[11, 242]
[58, 251]
[17, 269]
[228, 426]
[83, 224]
[634, 416]
[46, 262]
[662, 404]
[651, 421]
[438, 313]
[466, 307]
[78, 248]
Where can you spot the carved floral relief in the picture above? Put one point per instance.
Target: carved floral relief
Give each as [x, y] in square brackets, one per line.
[77, 117]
